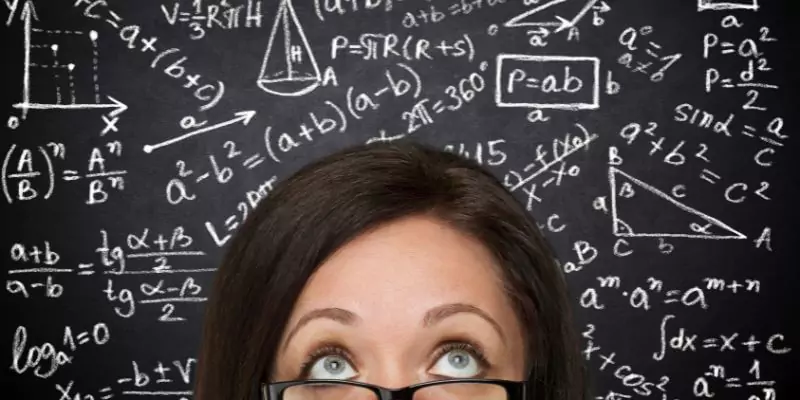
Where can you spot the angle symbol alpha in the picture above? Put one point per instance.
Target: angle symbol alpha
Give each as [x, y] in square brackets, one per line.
[289, 67]
[640, 210]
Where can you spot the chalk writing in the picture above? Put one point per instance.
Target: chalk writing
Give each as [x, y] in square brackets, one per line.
[652, 142]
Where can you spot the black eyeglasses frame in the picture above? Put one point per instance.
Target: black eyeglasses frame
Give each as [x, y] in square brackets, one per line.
[515, 390]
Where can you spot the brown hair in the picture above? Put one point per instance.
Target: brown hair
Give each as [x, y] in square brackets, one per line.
[334, 199]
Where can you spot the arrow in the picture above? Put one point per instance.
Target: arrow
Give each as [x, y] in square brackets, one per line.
[119, 109]
[118, 106]
[519, 20]
[569, 24]
[242, 116]
[563, 24]
[28, 10]
[604, 7]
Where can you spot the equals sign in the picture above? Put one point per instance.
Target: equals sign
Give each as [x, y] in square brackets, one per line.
[184, 16]
[728, 49]
[355, 49]
[253, 161]
[85, 266]
[83, 337]
[532, 83]
[438, 107]
[71, 175]
[709, 176]
[106, 389]
[730, 383]
[652, 53]
[231, 223]
[672, 293]
[710, 342]
[748, 130]
[726, 83]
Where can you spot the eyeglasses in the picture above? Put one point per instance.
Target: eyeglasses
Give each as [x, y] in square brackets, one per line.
[449, 389]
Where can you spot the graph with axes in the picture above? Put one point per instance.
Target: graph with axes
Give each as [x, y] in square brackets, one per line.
[52, 80]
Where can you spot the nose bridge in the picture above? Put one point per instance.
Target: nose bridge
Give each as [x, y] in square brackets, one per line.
[393, 372]
[401, 393]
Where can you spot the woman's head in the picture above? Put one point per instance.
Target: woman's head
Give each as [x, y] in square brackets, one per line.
[392, 264]
[403, 299]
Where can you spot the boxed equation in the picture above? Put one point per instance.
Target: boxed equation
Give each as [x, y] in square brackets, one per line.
[703, 5]
[557, 82]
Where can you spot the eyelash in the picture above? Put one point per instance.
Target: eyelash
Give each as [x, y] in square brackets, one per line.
[470, 347]
[328, 349]
[325, 349]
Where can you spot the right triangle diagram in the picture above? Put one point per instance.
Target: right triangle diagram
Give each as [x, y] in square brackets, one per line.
[640, 210]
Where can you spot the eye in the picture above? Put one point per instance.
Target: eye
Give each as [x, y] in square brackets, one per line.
[460, 360]
[328, 363]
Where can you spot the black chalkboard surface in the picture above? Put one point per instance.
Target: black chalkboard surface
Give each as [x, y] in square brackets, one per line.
[652, 139]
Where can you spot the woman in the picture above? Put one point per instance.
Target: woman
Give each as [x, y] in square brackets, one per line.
[389, 265]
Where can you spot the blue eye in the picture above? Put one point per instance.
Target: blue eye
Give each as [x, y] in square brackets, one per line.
[453, 360]
[329, 362]
[331, 367]
[460, 360]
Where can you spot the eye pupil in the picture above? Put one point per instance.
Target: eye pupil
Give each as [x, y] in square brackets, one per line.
[458, 359]
[333, 365]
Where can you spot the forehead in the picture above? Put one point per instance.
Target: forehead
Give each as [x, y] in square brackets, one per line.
[417, 262]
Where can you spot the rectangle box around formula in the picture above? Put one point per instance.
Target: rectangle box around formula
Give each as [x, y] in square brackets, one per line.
[502, 98]
[703, 5]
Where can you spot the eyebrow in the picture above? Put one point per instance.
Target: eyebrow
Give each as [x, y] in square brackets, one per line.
[439, 313]
[339, 315]
[432, 317]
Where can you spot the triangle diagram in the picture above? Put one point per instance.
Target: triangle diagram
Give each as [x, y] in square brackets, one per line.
[556, 13]
[640, 210]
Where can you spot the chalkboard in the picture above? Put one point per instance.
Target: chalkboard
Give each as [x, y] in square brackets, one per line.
[651, 139]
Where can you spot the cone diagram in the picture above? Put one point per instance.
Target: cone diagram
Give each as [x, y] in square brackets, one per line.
[289, 67]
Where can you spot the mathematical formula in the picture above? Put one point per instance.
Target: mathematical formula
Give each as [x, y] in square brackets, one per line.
[652, 142]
